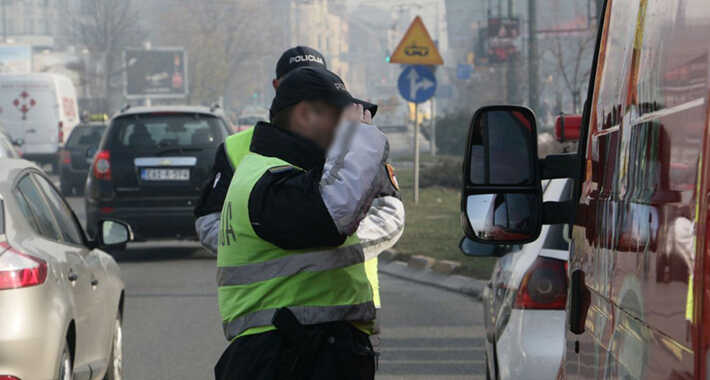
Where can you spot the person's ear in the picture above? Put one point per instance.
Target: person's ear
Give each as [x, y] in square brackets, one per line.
[275, 83]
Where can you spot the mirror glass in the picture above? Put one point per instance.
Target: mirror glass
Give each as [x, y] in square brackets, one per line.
[507, 217]
[114, 233]
[508, 137]
[476, 249]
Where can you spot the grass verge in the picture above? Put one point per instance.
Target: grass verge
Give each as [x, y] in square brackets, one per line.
[433, 229]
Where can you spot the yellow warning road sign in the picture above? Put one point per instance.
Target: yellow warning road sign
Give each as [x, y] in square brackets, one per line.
[417, 47]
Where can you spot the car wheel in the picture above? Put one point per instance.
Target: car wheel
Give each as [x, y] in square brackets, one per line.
[115, 363]
[65, 365]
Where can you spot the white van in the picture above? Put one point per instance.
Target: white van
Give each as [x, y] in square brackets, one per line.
[40, 110]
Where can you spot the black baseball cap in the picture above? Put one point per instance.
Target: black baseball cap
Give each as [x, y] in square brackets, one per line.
[314, 83]
[296, 57]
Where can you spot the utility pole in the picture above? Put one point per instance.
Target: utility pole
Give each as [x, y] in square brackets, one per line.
[532, 55]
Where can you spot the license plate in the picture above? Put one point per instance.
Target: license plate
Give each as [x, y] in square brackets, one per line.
[165, 174]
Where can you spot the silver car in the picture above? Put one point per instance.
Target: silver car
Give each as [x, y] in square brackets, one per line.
[524, 301]
[61, 296]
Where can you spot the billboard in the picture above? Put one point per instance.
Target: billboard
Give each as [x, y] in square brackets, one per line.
[503, 39]
[155, 73]
[15, 59]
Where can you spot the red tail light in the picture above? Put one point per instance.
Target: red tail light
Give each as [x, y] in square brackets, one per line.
[102, 165]
[65, 158]
[8, 377]
[60, 135]
[18, 270]
[544, 286]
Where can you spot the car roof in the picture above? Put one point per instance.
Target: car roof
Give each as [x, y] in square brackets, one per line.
[8, 169]
[180, 109]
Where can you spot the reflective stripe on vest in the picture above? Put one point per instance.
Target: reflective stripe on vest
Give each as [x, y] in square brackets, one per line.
[290, 265]
[256, 277]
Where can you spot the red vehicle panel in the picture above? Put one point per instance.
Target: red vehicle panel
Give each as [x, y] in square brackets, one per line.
[639, 236]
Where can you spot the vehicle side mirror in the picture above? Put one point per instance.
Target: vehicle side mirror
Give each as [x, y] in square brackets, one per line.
[501, 200]
[18, 142]
[114, 234]
[474, 249]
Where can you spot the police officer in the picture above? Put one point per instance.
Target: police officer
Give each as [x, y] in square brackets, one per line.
[383, 224]
[210, 204]
[293, 292]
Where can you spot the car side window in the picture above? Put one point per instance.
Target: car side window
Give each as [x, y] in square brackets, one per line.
[37, 208]
[70, 230]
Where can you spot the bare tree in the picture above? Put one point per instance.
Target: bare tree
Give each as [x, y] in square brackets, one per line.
[103, 28]
[572, 54]
[223, 40]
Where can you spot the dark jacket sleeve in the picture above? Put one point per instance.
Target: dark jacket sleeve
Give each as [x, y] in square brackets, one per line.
[214, 190]
[286, 209]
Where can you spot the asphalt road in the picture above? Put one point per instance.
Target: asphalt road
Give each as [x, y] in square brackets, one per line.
[172, 327]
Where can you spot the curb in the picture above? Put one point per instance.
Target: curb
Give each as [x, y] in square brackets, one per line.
[419, 269]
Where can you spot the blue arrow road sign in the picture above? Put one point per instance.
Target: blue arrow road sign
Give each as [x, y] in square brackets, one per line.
[417, 84]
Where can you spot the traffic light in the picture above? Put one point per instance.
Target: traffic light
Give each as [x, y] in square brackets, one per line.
[387, 56]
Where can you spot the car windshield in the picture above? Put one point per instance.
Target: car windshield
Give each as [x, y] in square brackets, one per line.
[167, 131]
[86, 136]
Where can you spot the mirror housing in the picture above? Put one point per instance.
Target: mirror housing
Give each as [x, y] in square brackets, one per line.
[113, 234]
[501, 200]
[472, 248]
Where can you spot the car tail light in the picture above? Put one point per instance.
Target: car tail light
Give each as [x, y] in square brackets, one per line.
[60, 135]
[102, 165]
[544, 286]
[8, 377]
[65, 157]
[18, 270]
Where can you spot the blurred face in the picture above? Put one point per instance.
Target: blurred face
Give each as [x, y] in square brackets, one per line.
[315, 121]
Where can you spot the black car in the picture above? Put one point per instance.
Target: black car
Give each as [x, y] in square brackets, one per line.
[149, 169]
[75, 157]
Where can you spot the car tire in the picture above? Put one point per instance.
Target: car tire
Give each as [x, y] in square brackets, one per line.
[65, 371]
[115, 362]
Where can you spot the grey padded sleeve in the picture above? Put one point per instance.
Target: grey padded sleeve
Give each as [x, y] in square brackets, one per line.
[207, 228]
[382, 226]
[352, 174]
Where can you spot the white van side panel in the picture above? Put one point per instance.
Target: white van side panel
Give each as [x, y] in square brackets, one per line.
[32, 107]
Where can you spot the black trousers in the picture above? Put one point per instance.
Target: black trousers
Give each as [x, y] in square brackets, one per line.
[346, 354]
